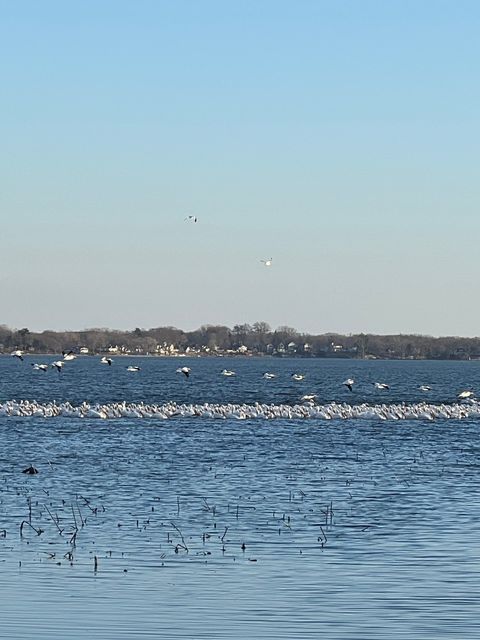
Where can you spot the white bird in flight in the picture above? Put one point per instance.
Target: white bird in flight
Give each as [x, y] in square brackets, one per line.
[381, 385]
[132, 368]
[106, 360]
[68, 355]
[39, 367]
[269, 376]
[228, 374]
[184, 370]
[463, 395]
[18, 354]
[425, 387]
[268, 262]
[58, 364]
[191, 219]
[349, 382]
[298, 376]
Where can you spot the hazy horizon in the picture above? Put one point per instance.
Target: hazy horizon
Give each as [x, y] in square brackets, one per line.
[340, 139]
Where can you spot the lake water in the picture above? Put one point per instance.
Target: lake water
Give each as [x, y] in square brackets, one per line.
[203, 528]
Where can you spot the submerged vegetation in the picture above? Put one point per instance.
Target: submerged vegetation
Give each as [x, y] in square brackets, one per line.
[245, 339]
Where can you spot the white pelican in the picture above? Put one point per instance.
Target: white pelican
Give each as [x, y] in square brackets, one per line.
[18, 354]
[425, 387]
[132, 368]
[268, 262]
[308, 398]
[269, 376]
[39, 367]
[106, 360]
[68, 355]
[463, 395]
[184, 370]
[349, 382]
[58, 364]
[191, 219]
[381, 385]
[228, 373]
[298, 376]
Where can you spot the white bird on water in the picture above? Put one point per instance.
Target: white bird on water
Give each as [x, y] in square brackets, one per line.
[298, 376]
[132, 368]
[268, 376]
[349, 382]
[184, 370]
[228, 374]
[308, 398]
[463, 395]
[267, 262]
[17, 354]
[425, 387]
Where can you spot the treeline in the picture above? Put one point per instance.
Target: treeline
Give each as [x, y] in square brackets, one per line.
[256, 339]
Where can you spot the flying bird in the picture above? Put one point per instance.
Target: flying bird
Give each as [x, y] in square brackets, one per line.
[425, 387]
[349, 382]
[18, 354]
[132, 368]
[308, 398]
[298, 376]
[58, 364]
[191, 219]
[184, 370]
[269, 376]
[39, 367]
[268, 262]
[106, 360]
[68, 355]
[381, 385]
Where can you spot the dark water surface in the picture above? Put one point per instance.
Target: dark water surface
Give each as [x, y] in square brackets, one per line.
[238, 529]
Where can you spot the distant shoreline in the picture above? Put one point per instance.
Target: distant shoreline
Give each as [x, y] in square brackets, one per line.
[245, 340]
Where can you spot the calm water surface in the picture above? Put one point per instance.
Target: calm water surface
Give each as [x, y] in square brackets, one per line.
[238, 529]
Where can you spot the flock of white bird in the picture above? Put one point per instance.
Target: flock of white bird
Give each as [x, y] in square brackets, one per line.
[465, 407]
[329, 411]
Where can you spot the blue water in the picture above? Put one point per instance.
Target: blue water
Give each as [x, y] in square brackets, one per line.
[238, 529]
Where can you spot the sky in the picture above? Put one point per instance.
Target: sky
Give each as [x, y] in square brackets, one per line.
[339, 138]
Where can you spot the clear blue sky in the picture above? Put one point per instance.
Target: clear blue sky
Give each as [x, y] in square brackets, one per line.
[340, 138]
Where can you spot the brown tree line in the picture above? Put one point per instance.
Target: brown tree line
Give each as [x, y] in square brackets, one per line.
[258, 338]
